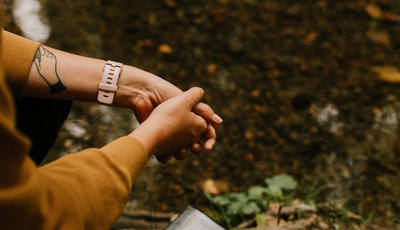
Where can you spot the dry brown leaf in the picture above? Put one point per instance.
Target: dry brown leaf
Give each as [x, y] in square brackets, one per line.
[170, 3]
[145, 42]
[249, 135]
[213, 187]
[373, 11]
[352, 215]
[377, 13]
[310, 38]
[390, 17]
[255, 93]
[212, 68]
[380, 37]
[388, 73]
[164, 49]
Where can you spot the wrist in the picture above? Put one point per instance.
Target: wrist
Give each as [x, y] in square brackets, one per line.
[136, 85]
[132, 84]
[147, 137]
[108, 85]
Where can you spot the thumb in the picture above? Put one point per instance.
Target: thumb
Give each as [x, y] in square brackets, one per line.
[192, 96]
[143, 109]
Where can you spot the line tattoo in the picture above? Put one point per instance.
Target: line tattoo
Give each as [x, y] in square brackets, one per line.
[46, 65]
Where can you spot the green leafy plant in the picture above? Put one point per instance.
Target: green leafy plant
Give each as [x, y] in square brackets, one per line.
[234, 208]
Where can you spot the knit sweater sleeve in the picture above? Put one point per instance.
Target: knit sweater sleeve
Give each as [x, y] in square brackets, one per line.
[19, 53]
[86, 190]
[89, 190]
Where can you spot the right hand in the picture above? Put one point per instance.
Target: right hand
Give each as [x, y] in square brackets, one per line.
[143, 92]
[172, 125]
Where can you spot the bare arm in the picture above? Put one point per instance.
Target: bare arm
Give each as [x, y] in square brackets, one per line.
[61, 75]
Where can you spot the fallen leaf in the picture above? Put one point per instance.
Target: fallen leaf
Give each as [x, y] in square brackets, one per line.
[255, 93]
[387, 73]
[249, 157]
[352, 215]
[170, 3]
[373, 11]
[213, 187]
[144, 43]
[380, 37]
[376, 111]
[249, 135]
[390, 17]
[260, 108]
[164, 49]
[310, 38]
[212, 68]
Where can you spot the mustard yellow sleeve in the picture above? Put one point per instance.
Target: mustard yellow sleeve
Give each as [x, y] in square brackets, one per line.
[18, 54]
[89, 190]
[86, 190]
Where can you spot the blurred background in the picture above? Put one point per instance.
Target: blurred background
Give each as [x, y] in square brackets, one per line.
[306, 88]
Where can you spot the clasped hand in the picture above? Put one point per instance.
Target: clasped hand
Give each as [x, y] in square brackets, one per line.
[151, 96]
[173, 126]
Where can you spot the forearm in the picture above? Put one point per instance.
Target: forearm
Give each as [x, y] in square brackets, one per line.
[79, 75]
[60, 75]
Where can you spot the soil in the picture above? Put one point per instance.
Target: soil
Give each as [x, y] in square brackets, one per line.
[293, 80]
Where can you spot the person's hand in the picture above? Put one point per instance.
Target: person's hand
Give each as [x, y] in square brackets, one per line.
[143, 92]
[172, 125]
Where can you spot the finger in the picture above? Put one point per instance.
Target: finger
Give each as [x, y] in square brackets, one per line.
[192, 96]
[196, 148]
[210, 138]
[163, 159]
[181, 154]
[207, 113]
[201, 126]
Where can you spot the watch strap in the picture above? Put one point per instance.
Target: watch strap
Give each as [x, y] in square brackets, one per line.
[108, 85]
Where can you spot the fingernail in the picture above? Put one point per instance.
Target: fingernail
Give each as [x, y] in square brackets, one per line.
[217, 118]
[210, 148]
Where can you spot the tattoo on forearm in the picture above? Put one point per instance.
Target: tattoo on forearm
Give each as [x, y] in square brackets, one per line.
[46, 65]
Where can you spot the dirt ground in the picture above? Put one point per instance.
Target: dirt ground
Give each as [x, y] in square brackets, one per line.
[296, 83]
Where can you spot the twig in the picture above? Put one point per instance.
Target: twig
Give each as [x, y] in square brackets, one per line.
[279, 212]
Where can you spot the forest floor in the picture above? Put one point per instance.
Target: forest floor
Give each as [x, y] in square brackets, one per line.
[306, 88]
